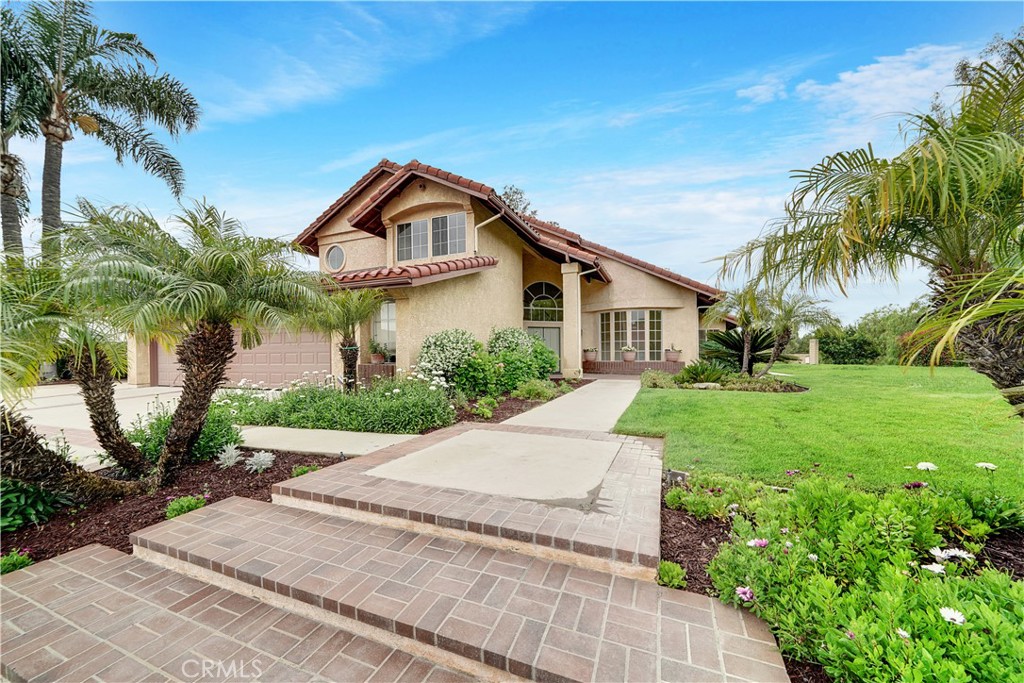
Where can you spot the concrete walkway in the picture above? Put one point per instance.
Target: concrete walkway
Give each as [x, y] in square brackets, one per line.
[319, 441]
[595, 407]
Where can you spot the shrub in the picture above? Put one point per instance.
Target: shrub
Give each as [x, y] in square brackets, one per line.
[536, 390]
[509, 339]
[447, 350]
[702, 371]
[740, 382]
[671, 575]
[545, 360]
[847, 347]
[478, 376]
[485, 407]
[867, 585]
[710, 495]
[229, 456]
[259, 462]
[150, 432]
[656, 379]
[180, 506]
[405, 404]
[14, 560]
[22, 504]
[514, 368]
[300, 470]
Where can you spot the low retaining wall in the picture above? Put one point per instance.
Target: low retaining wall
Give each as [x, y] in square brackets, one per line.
[366, 372]
[621, 367]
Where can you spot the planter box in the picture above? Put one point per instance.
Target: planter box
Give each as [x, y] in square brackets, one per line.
[590, 355]
[618, 367]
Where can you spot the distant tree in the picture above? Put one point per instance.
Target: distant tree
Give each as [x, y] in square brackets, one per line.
[785, 314]
[516, 199]
[96, 80]
[888, 326]
[847, 346]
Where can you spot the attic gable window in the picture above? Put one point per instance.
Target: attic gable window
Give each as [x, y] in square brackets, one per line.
[412, 241]
[449, 234]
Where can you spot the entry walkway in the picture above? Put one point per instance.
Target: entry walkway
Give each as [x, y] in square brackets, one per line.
[595, 407]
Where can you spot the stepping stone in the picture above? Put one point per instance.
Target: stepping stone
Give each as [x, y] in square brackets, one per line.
[522, 615]
[98, 614]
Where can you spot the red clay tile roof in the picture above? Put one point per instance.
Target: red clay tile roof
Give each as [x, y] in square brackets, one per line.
[405, 276]
[307, 238]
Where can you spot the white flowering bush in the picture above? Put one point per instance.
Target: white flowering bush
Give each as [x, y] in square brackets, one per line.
[447, 350]
[509, 339]
[259, 462]
[229, 456]
[873, 587]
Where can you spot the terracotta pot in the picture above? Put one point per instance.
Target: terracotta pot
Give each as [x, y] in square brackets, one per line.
[590, 355]
[629, 356]
[376, 357]
[672, 356]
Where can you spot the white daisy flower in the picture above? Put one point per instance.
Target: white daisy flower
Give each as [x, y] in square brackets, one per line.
[902, 634]
[812, 557]
[952, 616]
[938, 553]
[957, 554]
[986, 465]
[927, 466]
[934, 568]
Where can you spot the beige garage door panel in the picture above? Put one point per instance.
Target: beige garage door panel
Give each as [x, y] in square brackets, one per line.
[281, 358]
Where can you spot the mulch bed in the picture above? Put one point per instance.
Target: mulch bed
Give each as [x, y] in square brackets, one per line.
[1005, 551]
[509, 407]
[110, 523]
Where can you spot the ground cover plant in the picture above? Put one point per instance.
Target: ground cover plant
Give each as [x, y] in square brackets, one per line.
[180, 506]
[870, 422]
[149, 432]
[873, 587]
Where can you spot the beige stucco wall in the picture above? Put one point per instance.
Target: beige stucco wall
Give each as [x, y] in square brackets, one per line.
[475, 302]
[423, 200]
[362, 250]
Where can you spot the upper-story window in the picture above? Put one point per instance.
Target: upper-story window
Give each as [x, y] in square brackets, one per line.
[440, 236]
[449, 234]
[542, 302]
[412, 240]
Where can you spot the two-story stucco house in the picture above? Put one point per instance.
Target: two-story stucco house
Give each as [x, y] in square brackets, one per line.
[449, 252]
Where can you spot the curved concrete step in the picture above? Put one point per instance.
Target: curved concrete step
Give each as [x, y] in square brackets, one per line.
[522, 615]
[98, 614]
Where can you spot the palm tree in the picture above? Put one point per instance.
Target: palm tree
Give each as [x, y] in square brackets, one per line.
[38, 328]
[744, 308]
[730, 347]
[786, 314]
[343, 313]
[96, 80]
[197, 291]
[951, 202]
[18, 114]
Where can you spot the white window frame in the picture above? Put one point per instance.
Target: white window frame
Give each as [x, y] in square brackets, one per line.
[384, 328]
[418, 240]
[632, 327]
[448, 234]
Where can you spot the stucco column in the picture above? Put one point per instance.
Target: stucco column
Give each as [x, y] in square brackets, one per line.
[572, 342]
[139, 362]
[813, 352]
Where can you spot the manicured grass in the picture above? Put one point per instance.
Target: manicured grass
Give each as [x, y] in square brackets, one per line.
[869, 421]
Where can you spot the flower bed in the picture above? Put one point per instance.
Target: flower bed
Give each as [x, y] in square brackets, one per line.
[870, 587]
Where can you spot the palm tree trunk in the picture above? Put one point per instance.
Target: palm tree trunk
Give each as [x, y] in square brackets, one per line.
[997, 355]
[781, 341]
[349, 350]
[96, 382]
[51, 195]
[10, 196]
[746, 365]
[27, 459]
[203, 356]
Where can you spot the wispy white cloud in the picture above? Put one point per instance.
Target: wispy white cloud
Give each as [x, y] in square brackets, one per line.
[770, 88]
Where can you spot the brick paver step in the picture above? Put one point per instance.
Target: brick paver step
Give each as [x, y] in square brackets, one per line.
[618, 534]
[524, 615]
[98, 614]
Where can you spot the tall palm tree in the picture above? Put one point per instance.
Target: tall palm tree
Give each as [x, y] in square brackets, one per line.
[786, 314]
[343, 313]
[196, 290]
[18, 115]
[38, 328]
[951, 202]
[96, 80]
[745, 308]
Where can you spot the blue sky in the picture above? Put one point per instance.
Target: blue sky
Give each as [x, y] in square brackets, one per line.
[666, 130]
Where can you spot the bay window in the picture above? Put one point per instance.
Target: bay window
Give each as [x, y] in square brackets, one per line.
[641, 329]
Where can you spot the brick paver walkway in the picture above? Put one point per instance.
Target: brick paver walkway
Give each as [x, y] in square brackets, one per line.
[622, 525]
[525, 615]
[98, 614]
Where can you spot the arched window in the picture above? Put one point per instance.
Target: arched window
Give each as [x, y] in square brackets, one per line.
[542, 302]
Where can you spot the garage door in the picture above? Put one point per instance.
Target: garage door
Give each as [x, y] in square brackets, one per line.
[281, 357]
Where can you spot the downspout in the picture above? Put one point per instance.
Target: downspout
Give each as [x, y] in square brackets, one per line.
[476, 230]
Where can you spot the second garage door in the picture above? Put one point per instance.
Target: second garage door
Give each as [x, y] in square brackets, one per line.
[281, 357]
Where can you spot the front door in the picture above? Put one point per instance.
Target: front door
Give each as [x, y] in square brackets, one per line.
[552, 337]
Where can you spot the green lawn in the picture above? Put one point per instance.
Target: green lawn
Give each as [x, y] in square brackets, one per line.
[869, 421]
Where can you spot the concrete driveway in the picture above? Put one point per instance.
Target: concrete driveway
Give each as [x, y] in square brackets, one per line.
[57, 409]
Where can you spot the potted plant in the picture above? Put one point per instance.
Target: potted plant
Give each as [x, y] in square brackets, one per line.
[378, 352]
[672, 354]
[589, 354]
[628, 353]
